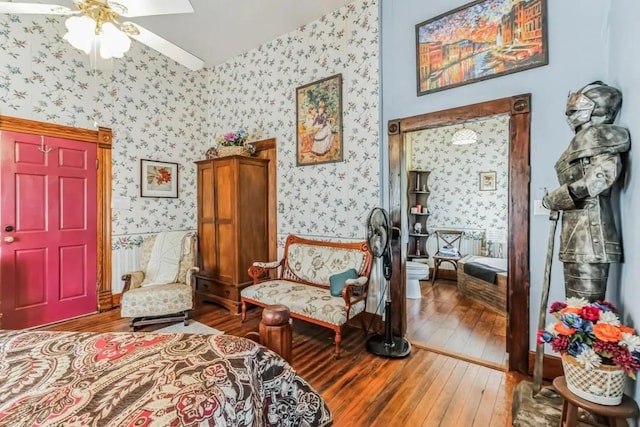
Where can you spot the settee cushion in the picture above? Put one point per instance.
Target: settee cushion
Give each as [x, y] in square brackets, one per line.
[336, 282]
[316, 263]
[157, 300]
[308, 301]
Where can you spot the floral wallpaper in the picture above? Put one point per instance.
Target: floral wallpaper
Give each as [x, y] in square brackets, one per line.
[156, 108]
[256, 91]
[455, 199]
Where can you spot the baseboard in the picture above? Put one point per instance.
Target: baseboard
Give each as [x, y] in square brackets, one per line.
[551, 366]
[373, 322]
[105, 301]
[115, 300]
[444, 274]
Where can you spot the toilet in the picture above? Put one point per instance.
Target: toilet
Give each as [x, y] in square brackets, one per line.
[416, 271]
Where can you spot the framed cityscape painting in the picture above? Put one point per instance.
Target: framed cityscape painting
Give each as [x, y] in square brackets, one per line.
[319, 122]
[479, 41]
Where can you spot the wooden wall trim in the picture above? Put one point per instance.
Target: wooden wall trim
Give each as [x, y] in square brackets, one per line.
[103, 138]
[518, 107]
[551, 366]
[15, 124]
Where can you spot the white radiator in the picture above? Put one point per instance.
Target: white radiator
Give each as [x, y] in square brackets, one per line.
[126, 254]
[123, 260]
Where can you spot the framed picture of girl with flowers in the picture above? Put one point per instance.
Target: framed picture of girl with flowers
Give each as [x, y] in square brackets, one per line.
[158, 179]
[319, 122]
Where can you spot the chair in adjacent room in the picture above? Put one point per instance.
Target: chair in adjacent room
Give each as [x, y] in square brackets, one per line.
[162, 291]
[449, 242]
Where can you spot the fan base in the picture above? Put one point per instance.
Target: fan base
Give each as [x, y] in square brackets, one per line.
[396, 349]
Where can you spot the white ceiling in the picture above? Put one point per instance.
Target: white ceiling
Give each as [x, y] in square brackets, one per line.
[222, 29]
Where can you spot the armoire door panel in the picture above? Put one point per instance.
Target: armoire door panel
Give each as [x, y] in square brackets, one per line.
[205, 241]
[226, 255]
[224, 191]
[206, 204]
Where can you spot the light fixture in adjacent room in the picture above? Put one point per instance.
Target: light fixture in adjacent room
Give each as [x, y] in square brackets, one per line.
[464, 136]
[99, 29]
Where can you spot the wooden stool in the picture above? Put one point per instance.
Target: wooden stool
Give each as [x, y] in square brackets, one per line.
[274, 331]
[616, 415]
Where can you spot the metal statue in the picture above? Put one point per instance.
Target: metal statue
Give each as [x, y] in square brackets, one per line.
[587, 170]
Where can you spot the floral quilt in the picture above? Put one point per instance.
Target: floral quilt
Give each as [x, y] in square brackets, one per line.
[150, 379]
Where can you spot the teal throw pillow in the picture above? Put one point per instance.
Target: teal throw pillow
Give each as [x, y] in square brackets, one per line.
[336, 282]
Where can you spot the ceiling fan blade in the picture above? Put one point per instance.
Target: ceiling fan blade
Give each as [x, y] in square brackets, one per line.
[35, 9]
[155, 7]
[166, 48]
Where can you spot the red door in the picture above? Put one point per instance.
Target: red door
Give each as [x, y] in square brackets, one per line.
[48, 229]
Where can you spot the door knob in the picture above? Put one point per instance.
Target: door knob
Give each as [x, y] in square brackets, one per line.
[9, 239]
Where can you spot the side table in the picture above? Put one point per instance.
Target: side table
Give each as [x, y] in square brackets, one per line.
[616, 415]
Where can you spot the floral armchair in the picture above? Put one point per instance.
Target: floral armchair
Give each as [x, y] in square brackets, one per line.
[161, 303]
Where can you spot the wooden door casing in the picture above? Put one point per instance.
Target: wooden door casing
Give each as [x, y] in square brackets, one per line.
[518, 107]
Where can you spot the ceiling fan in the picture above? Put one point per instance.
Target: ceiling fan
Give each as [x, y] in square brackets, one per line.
[96, 25]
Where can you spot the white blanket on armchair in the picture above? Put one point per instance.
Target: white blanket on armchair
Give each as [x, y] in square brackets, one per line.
[164, 262]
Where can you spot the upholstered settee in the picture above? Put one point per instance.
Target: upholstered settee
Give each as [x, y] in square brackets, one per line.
[303, 285]
[168, 302]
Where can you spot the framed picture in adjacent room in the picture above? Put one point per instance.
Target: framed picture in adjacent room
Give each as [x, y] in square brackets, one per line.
[480, 40]
[158, 179]
[488, 181]
[319, 122]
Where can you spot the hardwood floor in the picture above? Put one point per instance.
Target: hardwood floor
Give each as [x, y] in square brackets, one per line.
[424, 389]
[446, 321]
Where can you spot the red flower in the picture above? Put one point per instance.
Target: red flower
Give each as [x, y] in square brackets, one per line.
[557, 306]
[590, 312]
[560, 344]
[627, 362]
[539, 339]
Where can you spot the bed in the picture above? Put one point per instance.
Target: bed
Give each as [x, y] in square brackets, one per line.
[484, 280]
[149, 379]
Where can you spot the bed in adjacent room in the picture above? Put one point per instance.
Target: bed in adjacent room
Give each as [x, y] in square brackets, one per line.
[127, 379]
[484, 280]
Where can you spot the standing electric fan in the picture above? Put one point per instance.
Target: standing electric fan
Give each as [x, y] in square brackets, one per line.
[379, 242]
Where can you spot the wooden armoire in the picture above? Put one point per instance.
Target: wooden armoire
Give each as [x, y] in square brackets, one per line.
[233, 227]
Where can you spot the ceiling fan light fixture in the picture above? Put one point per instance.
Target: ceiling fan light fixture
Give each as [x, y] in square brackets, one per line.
[113, 42]
[85, 33]
[464, 136]
[81, 32]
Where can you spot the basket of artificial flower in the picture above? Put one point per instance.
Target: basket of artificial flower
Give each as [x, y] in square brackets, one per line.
[596, 350]
[231, 144]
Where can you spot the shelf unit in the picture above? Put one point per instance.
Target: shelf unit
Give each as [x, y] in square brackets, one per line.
[417, 196]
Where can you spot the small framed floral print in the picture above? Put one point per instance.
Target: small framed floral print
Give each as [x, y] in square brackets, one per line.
[158, 179]
[488, 181]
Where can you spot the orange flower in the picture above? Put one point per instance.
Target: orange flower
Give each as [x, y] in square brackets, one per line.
[627, 330]
[607, 332]
[574, 310]
[563, 330]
